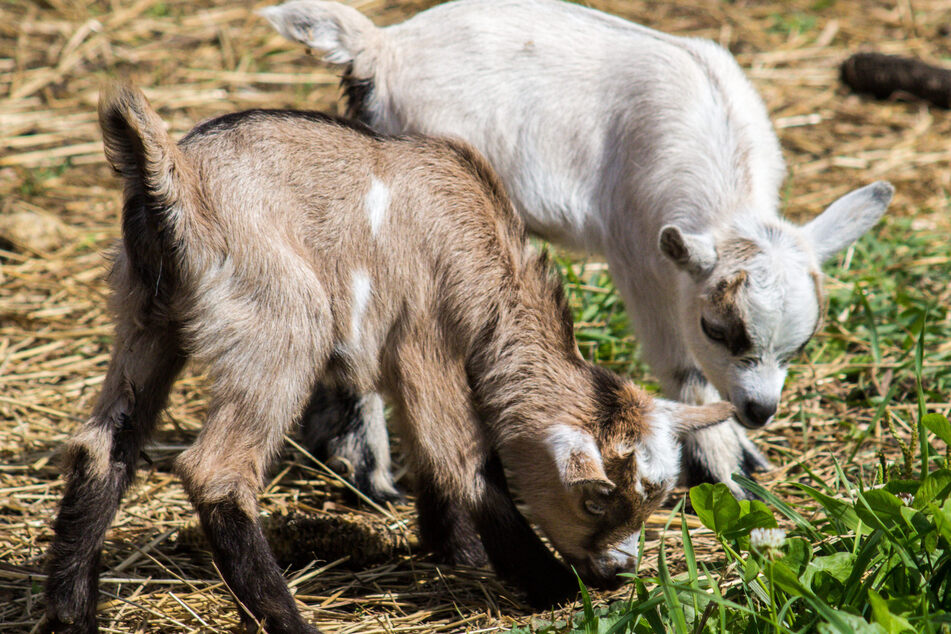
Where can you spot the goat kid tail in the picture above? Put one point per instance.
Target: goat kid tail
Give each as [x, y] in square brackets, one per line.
[158, 182]
[341, 32]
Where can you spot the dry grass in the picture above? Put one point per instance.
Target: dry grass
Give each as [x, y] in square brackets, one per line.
[200, 58]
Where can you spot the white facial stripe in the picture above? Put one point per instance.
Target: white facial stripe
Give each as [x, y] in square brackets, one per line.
[762, 383]
[565, 440]
[625, 553]
[376, 204]
[360, 289]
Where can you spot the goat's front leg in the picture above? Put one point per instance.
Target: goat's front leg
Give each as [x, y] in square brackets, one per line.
[516, 552]
[714, 454]
[464, 490]
[445, 526]
[101, 463]
[348, 431]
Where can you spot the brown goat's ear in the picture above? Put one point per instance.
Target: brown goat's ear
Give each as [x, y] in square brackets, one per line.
[685, 419]
[577, 457]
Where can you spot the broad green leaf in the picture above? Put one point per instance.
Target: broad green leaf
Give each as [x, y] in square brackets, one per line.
[851, 624]
[942, 518]
[786, 579]
[798, 554]
[938, 425]
[884, 508]
[837, 565]
[715, 506]
[892, 623]
[936, 484]
[750, 569]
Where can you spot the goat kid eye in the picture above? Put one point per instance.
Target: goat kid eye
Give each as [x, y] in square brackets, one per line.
[713, 333]
[594, 507]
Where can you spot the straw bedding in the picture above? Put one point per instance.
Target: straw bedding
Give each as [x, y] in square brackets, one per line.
[354, 567]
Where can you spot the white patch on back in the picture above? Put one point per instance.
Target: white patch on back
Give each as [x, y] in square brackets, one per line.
[360, 288]
[376, 204]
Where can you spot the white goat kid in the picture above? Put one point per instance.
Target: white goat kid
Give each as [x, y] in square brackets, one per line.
[650, 149]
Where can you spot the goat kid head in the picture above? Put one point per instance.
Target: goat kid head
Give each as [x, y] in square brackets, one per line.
[754, 296]
[606, 473]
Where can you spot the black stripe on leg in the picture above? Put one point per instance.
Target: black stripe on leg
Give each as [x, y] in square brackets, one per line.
[249, 568]
[516, 552]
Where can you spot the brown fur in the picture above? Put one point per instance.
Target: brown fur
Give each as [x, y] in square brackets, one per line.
[251, 242]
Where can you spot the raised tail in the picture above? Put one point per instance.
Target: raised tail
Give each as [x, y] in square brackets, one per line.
[158, 182]
[341, 32]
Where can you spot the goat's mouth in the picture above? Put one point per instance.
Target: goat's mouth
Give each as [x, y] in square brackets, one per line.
[601, 572]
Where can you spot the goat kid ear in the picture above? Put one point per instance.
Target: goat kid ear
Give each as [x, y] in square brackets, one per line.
[691, 252]
[578, 459]
[685, 419]
[329, 27]
[844, 221]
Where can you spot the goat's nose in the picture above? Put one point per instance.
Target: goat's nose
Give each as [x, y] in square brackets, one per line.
[758, 414]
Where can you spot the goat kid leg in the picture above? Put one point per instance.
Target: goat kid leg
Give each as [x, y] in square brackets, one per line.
[516, 552]
[222, 473]
[714, 454]
[101, 463]
[348, 431]
[445, 527]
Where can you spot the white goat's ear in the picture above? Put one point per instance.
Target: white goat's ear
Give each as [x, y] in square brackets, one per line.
[694, 253]
[337, 30]
[577, 458]
[844, 221]
[685, 419]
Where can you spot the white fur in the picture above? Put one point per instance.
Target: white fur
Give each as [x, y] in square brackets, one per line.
[564, 441]
[376, 204]
[624, 554]
[658, 455]
[604, 132]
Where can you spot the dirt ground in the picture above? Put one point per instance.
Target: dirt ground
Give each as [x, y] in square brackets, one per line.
[352, 566]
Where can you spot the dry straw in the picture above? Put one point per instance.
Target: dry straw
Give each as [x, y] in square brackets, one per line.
[195, 59]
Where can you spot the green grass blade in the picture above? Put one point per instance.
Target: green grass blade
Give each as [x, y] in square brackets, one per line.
[919, 388]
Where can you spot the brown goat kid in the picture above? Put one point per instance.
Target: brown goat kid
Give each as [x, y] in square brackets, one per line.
[279, 248]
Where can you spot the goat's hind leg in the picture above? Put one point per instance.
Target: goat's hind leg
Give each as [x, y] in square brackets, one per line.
[100, 464]
[224, 470]
[348, 431]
